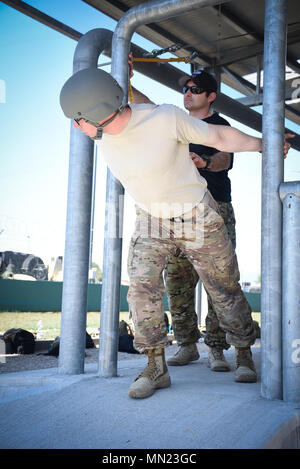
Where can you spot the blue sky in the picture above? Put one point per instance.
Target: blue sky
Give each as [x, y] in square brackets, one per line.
[34, 140]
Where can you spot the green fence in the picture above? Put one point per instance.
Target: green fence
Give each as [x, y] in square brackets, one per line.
[20, 295]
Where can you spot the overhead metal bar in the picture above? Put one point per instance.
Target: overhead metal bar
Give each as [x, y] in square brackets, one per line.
[43, 18]
[243, 28]
[204, 58]
[256, 100]
[247, 87]
[163, 36]
[292, 110]
[253, 50]
[237, 24]
[116, 8]
[165, 74]
[244, 85]
[242, 53]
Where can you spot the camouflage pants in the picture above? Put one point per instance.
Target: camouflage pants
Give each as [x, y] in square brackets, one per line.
[181, 279]
[201, 235]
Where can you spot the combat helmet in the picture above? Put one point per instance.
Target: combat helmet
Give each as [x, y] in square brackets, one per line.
[93, 95]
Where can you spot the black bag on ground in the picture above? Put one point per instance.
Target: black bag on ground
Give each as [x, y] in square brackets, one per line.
[126, 344]
[54, 347]
[166, 321]
[89, 343]
[19, 341]
[124, 328]
[126, 338]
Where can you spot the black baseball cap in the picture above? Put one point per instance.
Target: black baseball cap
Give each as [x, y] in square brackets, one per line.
[203, 79]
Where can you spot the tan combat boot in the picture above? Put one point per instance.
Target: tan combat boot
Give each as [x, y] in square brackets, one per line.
[216, 359]
[184, 355]
[154, 376]
[245, 370]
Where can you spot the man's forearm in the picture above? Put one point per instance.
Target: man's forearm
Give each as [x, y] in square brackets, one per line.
[231, 140]
[220, 161]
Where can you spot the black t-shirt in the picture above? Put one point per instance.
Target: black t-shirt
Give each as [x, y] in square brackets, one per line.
[218, 182]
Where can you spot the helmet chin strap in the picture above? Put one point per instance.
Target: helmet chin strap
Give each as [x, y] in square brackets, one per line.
[99, 133]
[99, 128]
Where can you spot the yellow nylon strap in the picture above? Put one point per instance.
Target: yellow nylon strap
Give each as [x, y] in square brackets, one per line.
[153, 59]
[130, 93]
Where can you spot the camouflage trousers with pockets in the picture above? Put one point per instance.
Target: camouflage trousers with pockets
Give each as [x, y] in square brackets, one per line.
[181, 279]
[202, 236]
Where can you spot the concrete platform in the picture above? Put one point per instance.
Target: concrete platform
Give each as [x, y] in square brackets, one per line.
[201, 410]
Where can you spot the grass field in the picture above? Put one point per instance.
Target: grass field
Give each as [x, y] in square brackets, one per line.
[51, 321]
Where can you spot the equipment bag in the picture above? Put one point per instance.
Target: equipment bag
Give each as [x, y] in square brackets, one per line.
[54, 347]
[19, 341]
[126, 344]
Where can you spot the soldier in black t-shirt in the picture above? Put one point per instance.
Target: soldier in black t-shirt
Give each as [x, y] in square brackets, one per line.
[180, 277]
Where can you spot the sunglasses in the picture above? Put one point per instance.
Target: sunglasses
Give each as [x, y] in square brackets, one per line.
[193, 89]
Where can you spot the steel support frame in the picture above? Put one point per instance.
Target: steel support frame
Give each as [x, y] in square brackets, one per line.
[71, 360]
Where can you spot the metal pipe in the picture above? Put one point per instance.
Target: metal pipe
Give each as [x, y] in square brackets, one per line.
[145, 13]
[76, 257]
[272, 176]
[111, 277]
[198, 301]
[244, 85]
[93, 208]
[290, 197]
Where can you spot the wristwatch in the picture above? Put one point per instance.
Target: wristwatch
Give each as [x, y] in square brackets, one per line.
[207, 158]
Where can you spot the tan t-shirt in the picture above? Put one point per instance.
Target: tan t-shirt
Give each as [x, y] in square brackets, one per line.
[150, 157]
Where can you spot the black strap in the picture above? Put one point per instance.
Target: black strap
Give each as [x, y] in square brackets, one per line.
[99, 133]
